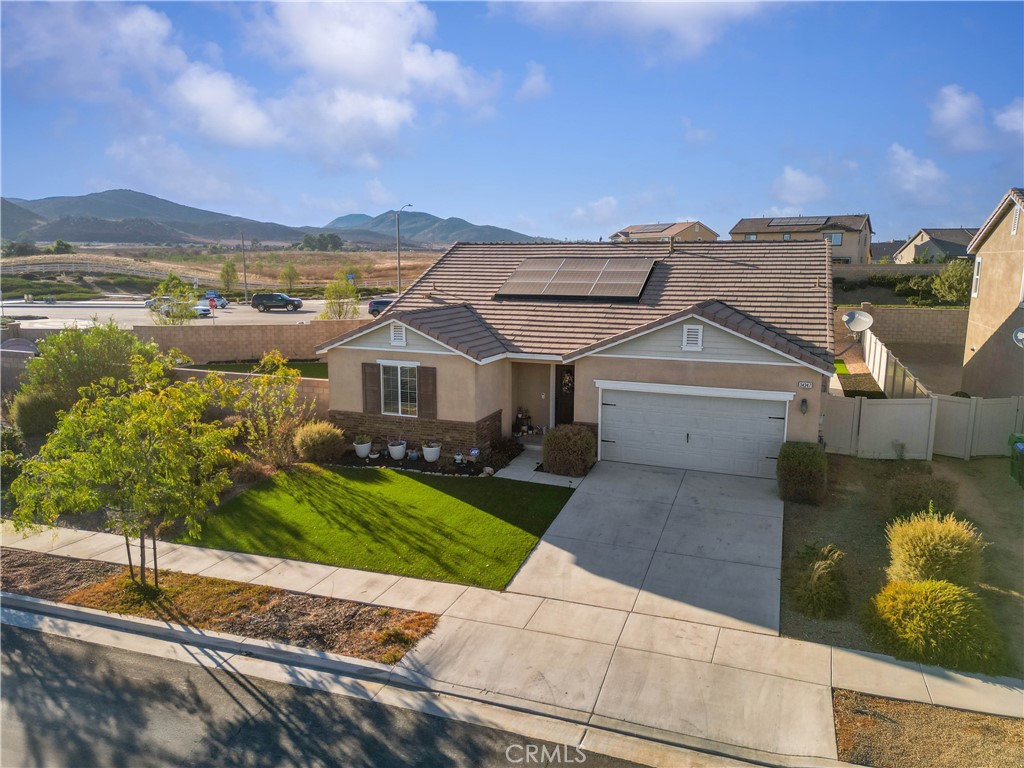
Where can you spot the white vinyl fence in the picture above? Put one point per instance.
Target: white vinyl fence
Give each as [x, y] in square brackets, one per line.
[886, 369]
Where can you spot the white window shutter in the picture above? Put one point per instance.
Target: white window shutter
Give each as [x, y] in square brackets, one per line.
[693, 337]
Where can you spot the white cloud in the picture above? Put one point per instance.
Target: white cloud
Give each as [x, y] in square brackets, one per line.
[694, 135]
[601, 211]
[377, 194]
[535, 85]
[223, 108]
[958, 118]
[666, 29]
[918, 177]
[794, 187]
[153, 163]
[1011, 117]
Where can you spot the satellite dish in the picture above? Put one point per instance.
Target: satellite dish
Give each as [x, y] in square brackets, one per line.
[858, 320]
[1018, 337]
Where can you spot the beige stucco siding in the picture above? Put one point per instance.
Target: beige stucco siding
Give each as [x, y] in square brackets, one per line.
[993, 364]
[854, 246]
[531, 389]
[800, 427]
[380, 338]
[718, 344]
[493, 391]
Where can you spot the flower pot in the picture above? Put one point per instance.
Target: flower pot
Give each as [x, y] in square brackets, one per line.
[397, 450]
[363, 450]
[431, 454]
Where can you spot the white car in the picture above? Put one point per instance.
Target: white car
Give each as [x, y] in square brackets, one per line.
[198, 310]
[156, 301]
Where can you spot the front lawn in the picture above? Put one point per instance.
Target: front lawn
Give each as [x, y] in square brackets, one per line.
[466, 530]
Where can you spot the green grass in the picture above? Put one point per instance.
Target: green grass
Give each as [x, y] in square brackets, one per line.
[308, 370]
[17, 287]
[841, 368]
[465, 530]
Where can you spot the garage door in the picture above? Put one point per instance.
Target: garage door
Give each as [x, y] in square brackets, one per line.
[713, 434]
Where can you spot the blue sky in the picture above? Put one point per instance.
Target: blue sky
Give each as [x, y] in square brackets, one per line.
[565, 120]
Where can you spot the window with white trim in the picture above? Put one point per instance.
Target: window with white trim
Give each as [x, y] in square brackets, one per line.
[836, 238]
[787, 237]
[750, 238]
[976, 282]
[398, 390]
[397, 335]
[1016, 220]
[693, 338]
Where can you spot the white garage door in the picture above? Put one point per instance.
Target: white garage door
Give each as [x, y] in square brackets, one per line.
[713, 434]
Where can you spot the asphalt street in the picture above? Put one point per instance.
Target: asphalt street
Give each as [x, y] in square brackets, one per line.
[69, 703]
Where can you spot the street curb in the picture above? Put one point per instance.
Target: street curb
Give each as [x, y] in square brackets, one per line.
[399, 679]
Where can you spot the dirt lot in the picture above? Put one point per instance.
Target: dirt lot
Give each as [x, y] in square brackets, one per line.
[854, 518]
[265, 613]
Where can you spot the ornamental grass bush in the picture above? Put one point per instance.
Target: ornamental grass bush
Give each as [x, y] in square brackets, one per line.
[319, 442]
[910, 493]
[820, 588]
[802, 472]
[936, 622]
[928, 545]
[34, 411]
[569, 449]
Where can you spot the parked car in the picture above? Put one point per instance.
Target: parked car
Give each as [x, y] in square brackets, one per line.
[376, 306]
[198, 310]
[156, 302]
[266, 301]
[221, 302]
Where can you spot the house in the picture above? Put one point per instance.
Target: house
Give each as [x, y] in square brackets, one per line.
[882, 251]
[850, 236]
[934, 245]
[680, 231]
[993, 363]
[691, 355]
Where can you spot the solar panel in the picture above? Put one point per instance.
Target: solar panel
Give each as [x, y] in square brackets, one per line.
[798, 221]
[619, 279]
[644, 229]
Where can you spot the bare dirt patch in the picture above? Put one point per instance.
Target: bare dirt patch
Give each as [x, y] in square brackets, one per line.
[886, 733]
[265, 613]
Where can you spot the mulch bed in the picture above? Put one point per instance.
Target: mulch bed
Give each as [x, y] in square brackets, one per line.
[860, 385]
[875, 731]
[250, 610]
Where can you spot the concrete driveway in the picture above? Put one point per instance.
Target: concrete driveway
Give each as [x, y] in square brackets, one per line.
[696, 546]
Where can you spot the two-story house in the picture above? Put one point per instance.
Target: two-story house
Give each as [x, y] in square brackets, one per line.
[680, 232]
[934, 245]
[850, 236]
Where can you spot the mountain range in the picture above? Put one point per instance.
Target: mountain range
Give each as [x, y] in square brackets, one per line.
[126, 216]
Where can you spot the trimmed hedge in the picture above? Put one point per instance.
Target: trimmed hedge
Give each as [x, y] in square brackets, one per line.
[34, 411]
[820, 588]
[915, 493]
[802, 472]
[936, 622]
[569, 449]
[319, 442]
[928, 545]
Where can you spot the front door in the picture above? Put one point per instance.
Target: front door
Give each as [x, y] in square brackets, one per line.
[565, 393]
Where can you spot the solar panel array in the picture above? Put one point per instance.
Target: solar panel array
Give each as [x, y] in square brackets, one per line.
[798, 221]
[649, 229]
[617, 279]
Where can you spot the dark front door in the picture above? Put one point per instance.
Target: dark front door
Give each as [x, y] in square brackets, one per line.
[565, 392]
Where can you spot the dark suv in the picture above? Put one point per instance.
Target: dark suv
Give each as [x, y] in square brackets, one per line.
[376, 306]
[265, 301]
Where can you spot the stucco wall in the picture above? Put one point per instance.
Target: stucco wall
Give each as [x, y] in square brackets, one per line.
[854, 247]
[531, 389]
[494, 391]
[993, 364]
[801, 427]
[12, 365]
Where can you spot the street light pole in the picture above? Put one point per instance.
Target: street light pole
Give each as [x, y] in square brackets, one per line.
[398, 242]
[245, 272]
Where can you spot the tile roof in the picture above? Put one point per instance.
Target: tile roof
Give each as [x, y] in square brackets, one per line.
[886, 249]
[1014, 197]
[852, 223]
[456, 325]
[782, 288]
[649, 231]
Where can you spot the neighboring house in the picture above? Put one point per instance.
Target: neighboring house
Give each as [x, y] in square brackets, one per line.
[850, 236]
[680, 232]
[933, 245]
[993, 363]
[697, 355]
[882, 251]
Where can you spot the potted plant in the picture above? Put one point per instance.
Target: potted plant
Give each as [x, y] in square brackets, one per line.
[431, 451]
[396, 447]
[362, 444]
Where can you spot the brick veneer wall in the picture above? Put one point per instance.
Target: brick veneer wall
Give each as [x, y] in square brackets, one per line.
[453, 435]
[310, 390]
[915, 325]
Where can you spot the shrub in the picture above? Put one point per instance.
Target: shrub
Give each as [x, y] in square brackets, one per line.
[11, 439]
[569, 449]
[251, 471]
[936, 622]
[503, 450]
[802, 472]
[914, 493]
[928, 545]
[319, 442]
[34, 411]
[820, 589]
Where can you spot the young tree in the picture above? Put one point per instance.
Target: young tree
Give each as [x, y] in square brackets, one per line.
[290, 276]
[228, 276]
[141, 453]
[62, 247]
[271, 409]
[953, 283]
[178, 309]
[342, 299]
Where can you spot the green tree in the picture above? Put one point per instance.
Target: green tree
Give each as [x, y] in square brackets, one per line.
[953, 284]
[178, 308]
[228, 276]
[308, 243]
[140, 453]
[19, 248]
[62, 247]
[342, 299]
[271, 409]
[289, 276]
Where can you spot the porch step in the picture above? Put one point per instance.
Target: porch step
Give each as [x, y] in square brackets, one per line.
[531, 442]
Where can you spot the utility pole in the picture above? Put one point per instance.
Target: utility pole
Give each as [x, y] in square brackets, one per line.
[398, 239]
[245, 274]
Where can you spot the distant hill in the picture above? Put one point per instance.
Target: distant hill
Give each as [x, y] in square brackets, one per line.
[90, 229]
[116, 204]
[427, 228]
[14, 219]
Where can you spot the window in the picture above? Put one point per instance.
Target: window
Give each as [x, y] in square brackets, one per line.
[398, 390]
[397, 335]
[787, 237]
[750, 237]
[976, 282]
[693, 337]
[1016, 219]
[836, 238]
